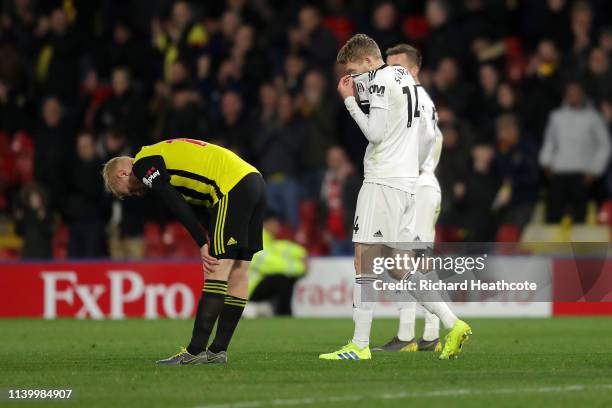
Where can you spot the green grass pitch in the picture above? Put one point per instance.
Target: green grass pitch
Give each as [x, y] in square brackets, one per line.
[273, 362]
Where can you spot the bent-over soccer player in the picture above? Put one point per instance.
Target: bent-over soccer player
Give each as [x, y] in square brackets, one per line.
[192, 176]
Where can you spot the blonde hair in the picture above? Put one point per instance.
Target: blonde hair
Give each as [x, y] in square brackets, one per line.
[109, 174]
[358, 47]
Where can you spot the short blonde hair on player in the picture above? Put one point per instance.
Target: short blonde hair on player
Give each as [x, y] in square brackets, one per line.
[413, 54]
[358, 47]
[109, 174]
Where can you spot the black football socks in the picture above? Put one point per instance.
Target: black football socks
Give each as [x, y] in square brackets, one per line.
[210, 307]
[228, 320]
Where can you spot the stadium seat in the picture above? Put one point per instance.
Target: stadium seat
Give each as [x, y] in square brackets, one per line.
[508, 233]
[415, 28]
[308, 233]
[8, 176]
[285, 232]
[342, 28]
[177, 241]
[7, 254]
[590, 233]
[5, 143]
[7, 161]
[449, 233]
[153, 243]
[23, 148]
[60, 242]
[549, 238]
[516, 58]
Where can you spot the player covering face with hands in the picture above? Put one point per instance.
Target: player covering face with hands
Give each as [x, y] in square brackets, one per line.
[220, 199]
[385, 211]
[427, 202]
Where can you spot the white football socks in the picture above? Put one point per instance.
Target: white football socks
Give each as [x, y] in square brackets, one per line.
[363, 324]
[407, 314]
[438, 308]
[363, 309]
[441, 310]
[432, 327]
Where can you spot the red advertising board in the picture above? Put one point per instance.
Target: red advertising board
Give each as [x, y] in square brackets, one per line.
[154, 289]
[100, 290]
[588, 281]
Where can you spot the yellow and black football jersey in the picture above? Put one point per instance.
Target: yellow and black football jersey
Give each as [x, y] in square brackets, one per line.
[201, 172]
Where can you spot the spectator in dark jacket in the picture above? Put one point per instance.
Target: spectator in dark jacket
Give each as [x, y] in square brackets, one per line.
[451, 170]
[597, 79]
[252, 59]
[317, 110]
[185, 116]
[508, 101]
[34, 223]
[542, 86]
[52, 141]
[476, 194]
[57, 68]
[86, 208]
[581, 26]
[12, 115]
[488, 79]
[445, 39]
[451, 89]
[279, 146]
[384, 28]
[125, 51]
[316, 42]
[123, 110]
[516, 163]
[233, 129]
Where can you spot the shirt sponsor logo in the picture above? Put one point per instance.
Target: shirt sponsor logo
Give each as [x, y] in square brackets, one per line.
[377, 89]
[148, 179]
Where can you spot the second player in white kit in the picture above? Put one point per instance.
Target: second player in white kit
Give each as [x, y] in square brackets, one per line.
[385, 213]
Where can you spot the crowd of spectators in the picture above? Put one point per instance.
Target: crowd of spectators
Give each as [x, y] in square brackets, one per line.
[523, 91]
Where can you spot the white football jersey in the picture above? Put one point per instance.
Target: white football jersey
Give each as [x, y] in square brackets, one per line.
[362, 95]
[394, 161]
[430, 141]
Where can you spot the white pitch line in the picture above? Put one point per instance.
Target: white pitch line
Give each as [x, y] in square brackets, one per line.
[409, 394]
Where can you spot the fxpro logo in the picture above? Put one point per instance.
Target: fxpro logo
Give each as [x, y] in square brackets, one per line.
[122, 288]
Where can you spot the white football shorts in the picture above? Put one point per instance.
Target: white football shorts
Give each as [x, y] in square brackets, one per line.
[384, 215]
[427, 204]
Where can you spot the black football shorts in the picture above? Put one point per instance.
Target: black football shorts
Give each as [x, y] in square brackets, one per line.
[236, 222]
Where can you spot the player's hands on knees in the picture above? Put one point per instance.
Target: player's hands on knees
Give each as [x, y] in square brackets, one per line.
[345, 87]
[208, 261]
